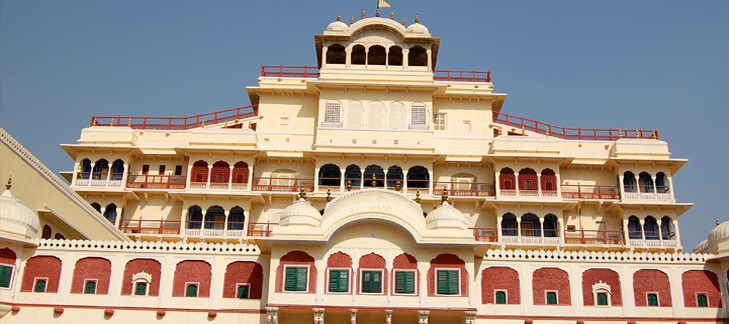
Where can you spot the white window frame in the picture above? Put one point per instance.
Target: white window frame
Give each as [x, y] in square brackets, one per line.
[238, 285]
[330, 120]
[601, 287]
[141, 277]
[35, 282]
[197, 288]
[438, 126]
[435, 283]
[382, 281]
[696, 297]
[546, 300]
[506, 294]
[415, 283]
[349, 281]
[12, 276]
[658, 298]
[283, 279]
[96, 286]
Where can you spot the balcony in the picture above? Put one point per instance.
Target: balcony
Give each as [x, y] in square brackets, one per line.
[418, 127]
[177, 123]
[594, 237]
[282, 184]
[215, 228]
[99, 179]
[641, 192]
[260, 229]
[157, 227]
[462, 76]
[464, 189]
[145, 181]
[219, 185]
[590, 192]
[531, 236]
[652, 239]
[283, 71]
[529, 193]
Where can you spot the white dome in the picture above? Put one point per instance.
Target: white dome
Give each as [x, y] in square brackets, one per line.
[717, 236]
[16, 220]
[417, 28]
[701, 247]
[300, 212]
[337, 27]
[446, 215]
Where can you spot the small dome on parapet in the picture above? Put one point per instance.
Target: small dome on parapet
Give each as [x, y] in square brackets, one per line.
[701, 247]
[717, 236]
[417, 29]
[337, 27]
[17, 221]
[446, 216]
[300, 212]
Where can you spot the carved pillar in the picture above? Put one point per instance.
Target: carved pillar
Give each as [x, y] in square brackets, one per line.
[316, 179]
[388, 316]
[423, 317]
[341, 179]
[518, 228]
[272, 315]
[516, 184]
[210, 170]
[539, 182]
[405, 61]
[250, 177]
[642, 228]
[353, 316]
[541, 226]
[405, 181]
[230, 178]
[225, 223]
[318, 315]
[471, 317]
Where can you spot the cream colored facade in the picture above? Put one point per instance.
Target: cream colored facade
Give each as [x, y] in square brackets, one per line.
[373, 188]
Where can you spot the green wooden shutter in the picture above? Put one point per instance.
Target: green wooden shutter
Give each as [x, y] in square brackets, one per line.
[141, 289]
[5, 274]
[301, 275]
[371, 281]
[191, 291]
[551, 298]
[40, 286]
[453, 282]
[338, 280]
[366, 281]
[500, 297]
[405, 282]
[652, 300]
[242, 291]
[602, 299]
[442, 282]
[290, 279]
[409, 282]
[400, 282]
[377, 282]
[90, 287]
[702, 301]
[448, 282]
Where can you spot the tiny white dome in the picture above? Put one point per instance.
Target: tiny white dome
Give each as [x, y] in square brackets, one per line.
[444, 216]
[701, 247]
[17, 220]
[717, 236]
[300, 212]
[417, 28]
[337, 27]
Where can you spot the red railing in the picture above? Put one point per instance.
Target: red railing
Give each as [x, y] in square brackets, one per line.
[594, 134]
[177, 123]
[462, 76]
[282, 184]
[260, 229]
[135, 226]
[146, 181]
[590, 192]
[282, 71]
[461, 189]
[594, 237]
[483, 234]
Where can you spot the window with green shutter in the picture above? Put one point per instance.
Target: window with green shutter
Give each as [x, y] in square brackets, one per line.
[551, 298]
[500, 297]
[338, 280]
[602, 299]
[652, 300]
[6, 273]
[140, 289]
[296, 279]
[40, 285]
[702, 300]
[371, 281]
[447, 282]
[90, 287]
[242, 291]
[404, 282]
[191, 290]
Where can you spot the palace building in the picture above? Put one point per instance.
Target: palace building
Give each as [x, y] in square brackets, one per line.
[372, 188]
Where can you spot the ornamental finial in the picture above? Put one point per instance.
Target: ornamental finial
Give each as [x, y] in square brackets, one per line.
[374, 181]
[717, 220]
[417, 196]
[417, 20]
[444, 197]
[403, 21]
[10, 180]
[329, 195]
[339, 16]
[302, 193]
[377, 14]
[351, 20]
[392, 15]
[363, 14]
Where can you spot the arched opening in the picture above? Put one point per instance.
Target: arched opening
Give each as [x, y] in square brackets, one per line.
[376, 55]
[101, 170]
[418, 178]
[199, 172]
[650, 228]
[236, 219]
[330, 175]
[662, 185]
[85, 172]
[397, 116]
[667, 228]
[417, 57]
[240, 174]
[551, 227]
[376, 172]
[548, 180]
[96, 206]
[194, 217]
[117, 170]
[645, 181]
[629, 182]
[394, 175]
[354, 114]
[336, 54]
[507, 179]
[394, 57]
[215, 217]
[530, 225]
[353, 176]
[359, 55]
[375, 115]
[508, 225]
[110, 213]
[220, 173]
[527, 181]
[635, 232]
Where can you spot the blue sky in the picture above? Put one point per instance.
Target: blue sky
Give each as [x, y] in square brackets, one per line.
[602, 64]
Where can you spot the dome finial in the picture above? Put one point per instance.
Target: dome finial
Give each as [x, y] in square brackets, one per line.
[363, 14]
[392, 15]
[10, 180]
[302, 193]
[351, 20]
[417, 196]
[329, 195]
[444, 197]
[374, 181]
[377, 14]
[403, 21]
[717, 222]
[417, 20]
[339, 16]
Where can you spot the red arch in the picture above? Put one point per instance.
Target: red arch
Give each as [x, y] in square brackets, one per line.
[373, 261]
[91, 268]
[551, 279]
[507, 179]
[296, 258]
[651, 280]
[548, 180]
[700, 281]
[199, 172]
[447, 260]
[240, 172]
[607, 276]
[528, 179]
[192, 271]
[220, 173]
[7, 256]
[500, 278]
[243, 272]
[42, 266]
[150, 266]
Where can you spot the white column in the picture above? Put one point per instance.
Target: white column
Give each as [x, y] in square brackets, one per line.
[642, 229]
[405, 181]
[353, 316]
[516, 182]
[405, 61]
[518, 228]
[318, 315]
[430, 182]
[541, 226]
[324, 50]
[225, 222]
[423, 317]
[230, 178]
[250, 177]
[342, 182]
[210, 170]
[316, 179]
[539, 182]
[272, 315]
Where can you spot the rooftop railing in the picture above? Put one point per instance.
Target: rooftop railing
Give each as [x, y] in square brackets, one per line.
[584, 134]
[462, 76]
[176, 123]
[282, 71]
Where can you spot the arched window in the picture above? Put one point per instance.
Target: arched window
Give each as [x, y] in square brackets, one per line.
[358, 55]
[354, 114]
[240, 172]
[507, 179]
[418, 177]
[394, 57]
[140, 289]
[90, 287]
[548, 180]
[332, 114]
[117, 170]
[85, 167]
[397, 116]
[110, 213]
[645, 181]
[662, 185]
[199, 172]
[635, 232]
[220, 173]
[551, 298]
[551, 227]
[48, 231]
[215, 217]
[652, 299]
[702, 300]
[501, 297]
[650, 228]
[336, 54]
[417, 57]
[508, 225]
[667, 228]
[376, 55]
[394, 175]
[330, 175]
[96, 206]
[236, 218]
[194, 217]
[191, 290]
[528, 180]
[629, 182]
[101, 170]
[375, 115]
[530, 225]
[602, 299]
[353, 176]
[377, 172]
